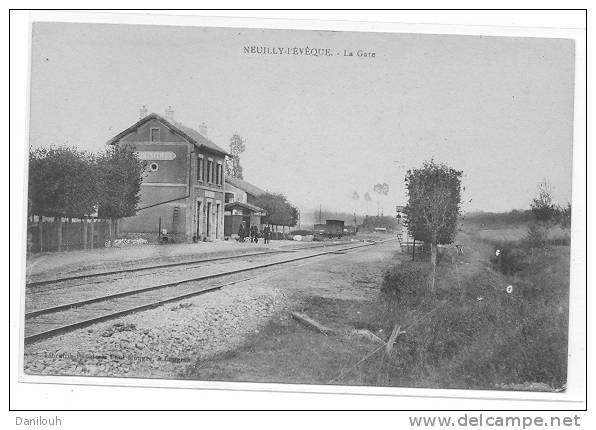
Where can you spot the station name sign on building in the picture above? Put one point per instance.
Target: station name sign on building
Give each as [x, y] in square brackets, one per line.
[156, 155]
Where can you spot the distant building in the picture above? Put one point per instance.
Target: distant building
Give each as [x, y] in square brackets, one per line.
[183, 191]
[240, 199]
[238, 190]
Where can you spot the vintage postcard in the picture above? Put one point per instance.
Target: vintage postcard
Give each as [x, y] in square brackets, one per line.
[305, 207]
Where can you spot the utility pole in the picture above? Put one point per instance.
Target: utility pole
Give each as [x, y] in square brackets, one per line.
[320, 214]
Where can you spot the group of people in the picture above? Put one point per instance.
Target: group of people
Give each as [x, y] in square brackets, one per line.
[253, 233]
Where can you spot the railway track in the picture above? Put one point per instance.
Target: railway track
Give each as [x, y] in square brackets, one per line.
[44, 323]
[90, 275]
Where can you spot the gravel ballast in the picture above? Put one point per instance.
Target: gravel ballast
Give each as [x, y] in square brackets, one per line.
[158, 342]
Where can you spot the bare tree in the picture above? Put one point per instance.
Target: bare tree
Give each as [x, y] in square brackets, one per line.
[237, 147]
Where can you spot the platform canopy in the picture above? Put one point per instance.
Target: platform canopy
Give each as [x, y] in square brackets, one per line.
[245, 208]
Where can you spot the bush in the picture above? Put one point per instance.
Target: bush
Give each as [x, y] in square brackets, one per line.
[480, 344]
[537, 236]
[511, 345]
[491, 336]
[406, 285]
[509, 257]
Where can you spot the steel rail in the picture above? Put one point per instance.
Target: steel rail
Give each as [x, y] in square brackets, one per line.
[80, 303]
[159, 266]
[79, 324]
[138, 269]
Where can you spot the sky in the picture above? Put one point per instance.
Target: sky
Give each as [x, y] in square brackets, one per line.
[320, 128]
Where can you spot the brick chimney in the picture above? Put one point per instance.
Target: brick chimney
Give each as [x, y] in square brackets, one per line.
[170, 114]
[203, 129]
[143, 112]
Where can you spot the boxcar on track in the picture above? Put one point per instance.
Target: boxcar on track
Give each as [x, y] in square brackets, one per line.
[332, 228]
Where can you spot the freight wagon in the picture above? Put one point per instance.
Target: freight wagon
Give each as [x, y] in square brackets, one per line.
[332, 228]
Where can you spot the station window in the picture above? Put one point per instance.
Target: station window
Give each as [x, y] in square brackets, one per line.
[200, 168]
[218, 174]
[210, 171]
[154, 134]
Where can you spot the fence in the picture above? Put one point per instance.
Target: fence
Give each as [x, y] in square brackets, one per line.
[45, 236]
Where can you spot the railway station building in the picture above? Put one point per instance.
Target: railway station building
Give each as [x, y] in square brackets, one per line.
[240, 198]
[183, 191]
[239, 190]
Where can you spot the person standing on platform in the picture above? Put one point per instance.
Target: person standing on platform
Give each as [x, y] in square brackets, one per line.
[267, 234]
[242, 231]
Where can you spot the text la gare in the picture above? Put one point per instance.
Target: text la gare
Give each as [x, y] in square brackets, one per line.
[359, 53]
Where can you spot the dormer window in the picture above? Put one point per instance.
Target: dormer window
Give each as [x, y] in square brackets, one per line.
[154, 134]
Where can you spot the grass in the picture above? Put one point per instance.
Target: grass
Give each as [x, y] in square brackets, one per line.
[472, 334]
[283, 352]
[513, 232]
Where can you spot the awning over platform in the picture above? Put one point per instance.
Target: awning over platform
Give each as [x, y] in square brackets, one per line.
[245, 207]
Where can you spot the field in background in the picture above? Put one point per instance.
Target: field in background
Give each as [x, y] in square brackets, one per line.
[511, 233]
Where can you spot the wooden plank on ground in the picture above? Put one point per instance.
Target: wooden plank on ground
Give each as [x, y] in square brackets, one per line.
[394, 334]
[311, 323]
[367, 334]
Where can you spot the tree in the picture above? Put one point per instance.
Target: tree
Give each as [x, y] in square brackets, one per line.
[237, 147]
[434, 198]
[62, 182]
[279, 210]
[546, 214]
[293, 215]
[120, 174]
[543, 208]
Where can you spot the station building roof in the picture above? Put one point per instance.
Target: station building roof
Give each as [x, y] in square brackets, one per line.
[188, 133]
[245, 186]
